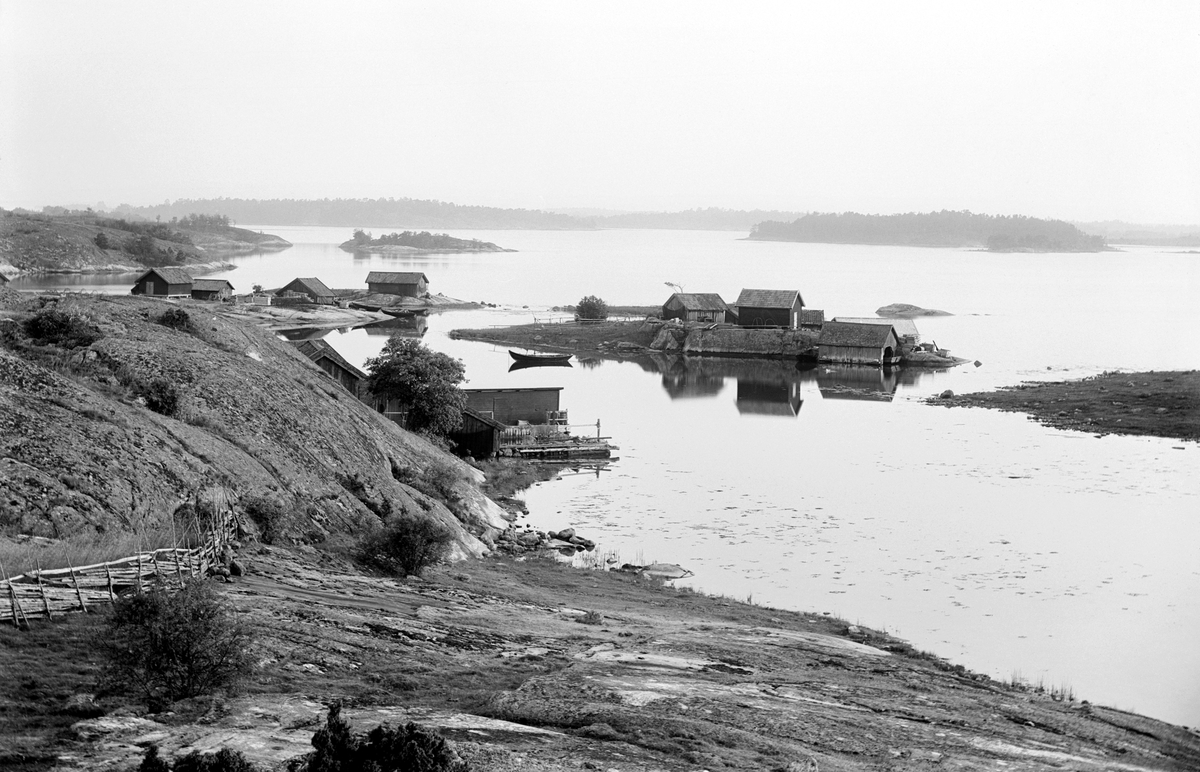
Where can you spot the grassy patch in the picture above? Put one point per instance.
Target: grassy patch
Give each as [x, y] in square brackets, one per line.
[43, 667]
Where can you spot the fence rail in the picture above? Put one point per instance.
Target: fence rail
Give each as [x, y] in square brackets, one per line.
[64, 590]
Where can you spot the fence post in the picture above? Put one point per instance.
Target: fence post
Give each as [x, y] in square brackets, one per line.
[139, 570]
[112, 596]
[42, 590]
[78, 592]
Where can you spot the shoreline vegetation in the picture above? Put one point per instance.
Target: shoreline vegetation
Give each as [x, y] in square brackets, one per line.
[1156, 404]
[86, 242]
[414, 243]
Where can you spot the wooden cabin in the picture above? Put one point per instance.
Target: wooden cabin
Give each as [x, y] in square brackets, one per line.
[478, 437]
[812, 319]
[858, 344]
[906, 329]
[405, 283]
[164, 283]
[311, 287]
[769, 308]
[333, 364]
[508, 406]
[695, 307]
[211, 289]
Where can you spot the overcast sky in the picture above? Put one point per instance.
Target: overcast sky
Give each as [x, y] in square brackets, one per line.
[1086, 110]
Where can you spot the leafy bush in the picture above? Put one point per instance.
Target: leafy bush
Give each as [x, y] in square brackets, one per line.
[161, 396]
[409, 748]
[176, 319]
[61, 329]
[591, 308]
[224, 760]
[407, 545]
[273, 519]
[168, 646]
[102, 241]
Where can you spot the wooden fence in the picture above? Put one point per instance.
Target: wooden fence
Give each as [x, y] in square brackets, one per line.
[63, 590]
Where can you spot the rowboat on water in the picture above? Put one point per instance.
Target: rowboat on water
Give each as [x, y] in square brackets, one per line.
[539, 359]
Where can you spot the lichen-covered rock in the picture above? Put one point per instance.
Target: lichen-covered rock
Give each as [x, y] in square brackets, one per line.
[81, 452]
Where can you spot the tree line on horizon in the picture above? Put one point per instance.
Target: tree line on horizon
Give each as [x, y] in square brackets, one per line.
[940, 229]
[354, 212]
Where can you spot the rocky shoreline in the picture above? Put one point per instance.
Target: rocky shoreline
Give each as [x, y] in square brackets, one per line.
[1158, 404]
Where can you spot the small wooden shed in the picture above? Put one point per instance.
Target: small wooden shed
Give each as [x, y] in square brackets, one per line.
[478, 437]
[405, 283]
[906, 329]
[534, 405]
[858, 344]
[334, 364]
[211, 289]
[695, 307]
[769, 308]
[312, 287]
[813, 319]
[164, 283]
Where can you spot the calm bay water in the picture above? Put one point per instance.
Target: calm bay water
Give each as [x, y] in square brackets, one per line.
[1005, 546]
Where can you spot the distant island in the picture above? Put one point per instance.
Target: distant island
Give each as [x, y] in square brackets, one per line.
[58, 240]
[710, 219]
[996, 233]
[1120, 232]
[411, 242]
[355, 212]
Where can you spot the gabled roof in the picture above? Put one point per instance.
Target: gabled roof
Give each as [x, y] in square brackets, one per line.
[312, 286]
[483, 419]
[316, 350]
[812, 316]
[169, 275]
[759, 298]
[699, 301]
[851, 334]
[210, 285]
[901, 326]
[396, 277]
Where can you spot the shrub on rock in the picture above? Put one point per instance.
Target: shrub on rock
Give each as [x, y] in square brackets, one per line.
[169, 645]
[407, 545]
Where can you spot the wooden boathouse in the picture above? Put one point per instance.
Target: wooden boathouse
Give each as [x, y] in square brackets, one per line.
[164, 283]
[478, 437]
[311, 287]
[404, 283]
[906, 329]
[537, 405]
[211, 289]
[769, 308]
[333, 364]
[858, 344]
[695, 307]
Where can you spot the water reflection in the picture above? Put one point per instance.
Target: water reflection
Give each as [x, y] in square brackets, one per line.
[405, 326]
[779, 397]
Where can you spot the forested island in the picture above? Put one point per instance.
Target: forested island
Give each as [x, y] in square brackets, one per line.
[710, 219]
[996, 233]
[62, 241]
[412, 242]
[355, 212]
